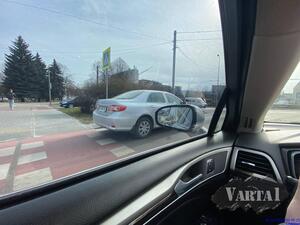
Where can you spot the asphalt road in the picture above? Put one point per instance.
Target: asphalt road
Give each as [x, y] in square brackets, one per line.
[39, 144]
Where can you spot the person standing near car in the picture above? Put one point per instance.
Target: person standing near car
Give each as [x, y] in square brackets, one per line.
[11, 99]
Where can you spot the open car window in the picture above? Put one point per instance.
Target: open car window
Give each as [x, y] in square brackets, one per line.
[114, 57]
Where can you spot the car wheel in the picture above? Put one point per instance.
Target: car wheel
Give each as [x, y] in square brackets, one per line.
[143, 127]
[71, 106]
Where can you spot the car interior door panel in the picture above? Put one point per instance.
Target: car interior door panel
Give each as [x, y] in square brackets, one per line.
[170, 193]
[175, 183]
[97, 198]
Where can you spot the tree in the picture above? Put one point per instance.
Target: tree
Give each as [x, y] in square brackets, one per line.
[118, 66]
[70, 88]
[19, 69]
[40, 80]
[2, 90]
[57, 80]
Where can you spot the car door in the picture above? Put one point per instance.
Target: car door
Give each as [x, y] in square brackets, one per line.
[155, 100]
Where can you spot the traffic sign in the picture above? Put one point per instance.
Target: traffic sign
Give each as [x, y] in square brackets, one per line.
[106, 59]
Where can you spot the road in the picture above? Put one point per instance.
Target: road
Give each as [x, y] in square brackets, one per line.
[39, 144]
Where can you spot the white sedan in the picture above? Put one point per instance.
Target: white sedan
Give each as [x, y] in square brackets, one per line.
[132, 111]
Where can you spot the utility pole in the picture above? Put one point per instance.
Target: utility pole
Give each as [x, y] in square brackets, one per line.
[174, 60]
[50, 87]
[106, 84]
[97, 74]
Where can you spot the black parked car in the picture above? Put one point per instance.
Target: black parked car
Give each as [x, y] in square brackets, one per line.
[70, 102]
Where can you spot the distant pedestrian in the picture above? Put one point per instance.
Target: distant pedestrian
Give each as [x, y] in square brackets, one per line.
[11, 99]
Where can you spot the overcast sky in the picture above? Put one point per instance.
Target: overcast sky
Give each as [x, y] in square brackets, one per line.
[75, 32]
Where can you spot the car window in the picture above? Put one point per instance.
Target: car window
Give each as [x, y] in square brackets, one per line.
[286, 107]
[111, 56]
[129, 95]
[172, 99]
[156, 98]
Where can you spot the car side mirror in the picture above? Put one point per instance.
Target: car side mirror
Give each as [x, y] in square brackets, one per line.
[180, 117]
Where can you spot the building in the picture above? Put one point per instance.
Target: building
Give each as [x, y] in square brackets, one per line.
[148, 84]
[217, 90]
[284, 99]
[296, 94]
[119, 65]
[155, 85]
[130, 76]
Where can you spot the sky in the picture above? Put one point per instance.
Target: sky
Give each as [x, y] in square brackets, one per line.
[75, 32]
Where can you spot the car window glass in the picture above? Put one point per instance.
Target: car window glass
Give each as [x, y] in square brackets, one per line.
[286, 107]
[129, 95]
[81, 82]
[172, 99]
[156, 98]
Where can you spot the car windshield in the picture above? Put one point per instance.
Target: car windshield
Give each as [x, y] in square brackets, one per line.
[286, 107]
[129, 95]
[104, 52]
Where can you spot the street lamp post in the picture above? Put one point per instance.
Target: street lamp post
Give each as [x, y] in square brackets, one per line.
[50, 87]
[174, 61]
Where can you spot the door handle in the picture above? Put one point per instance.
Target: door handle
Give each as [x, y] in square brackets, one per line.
[183, 186]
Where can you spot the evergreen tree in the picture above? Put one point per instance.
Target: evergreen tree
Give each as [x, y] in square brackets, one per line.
[57, 80]
[19, 69]
[40, 77]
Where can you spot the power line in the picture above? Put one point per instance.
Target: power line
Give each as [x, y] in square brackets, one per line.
[123, 50]
[83, 19]
[201, 39]
[187, 57]
[193, 61]
[143, 47]
[199, 31]
[118, 51]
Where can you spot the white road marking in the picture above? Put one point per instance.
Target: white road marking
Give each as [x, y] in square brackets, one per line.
[32, 145]
[4, 170]
[100, 129]
[122, 151]
[96, 133]
[32, 178]
[105, 141]
[32, 157]
[92, 135]
[34, 125]
[10, 139]
[7, 151]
